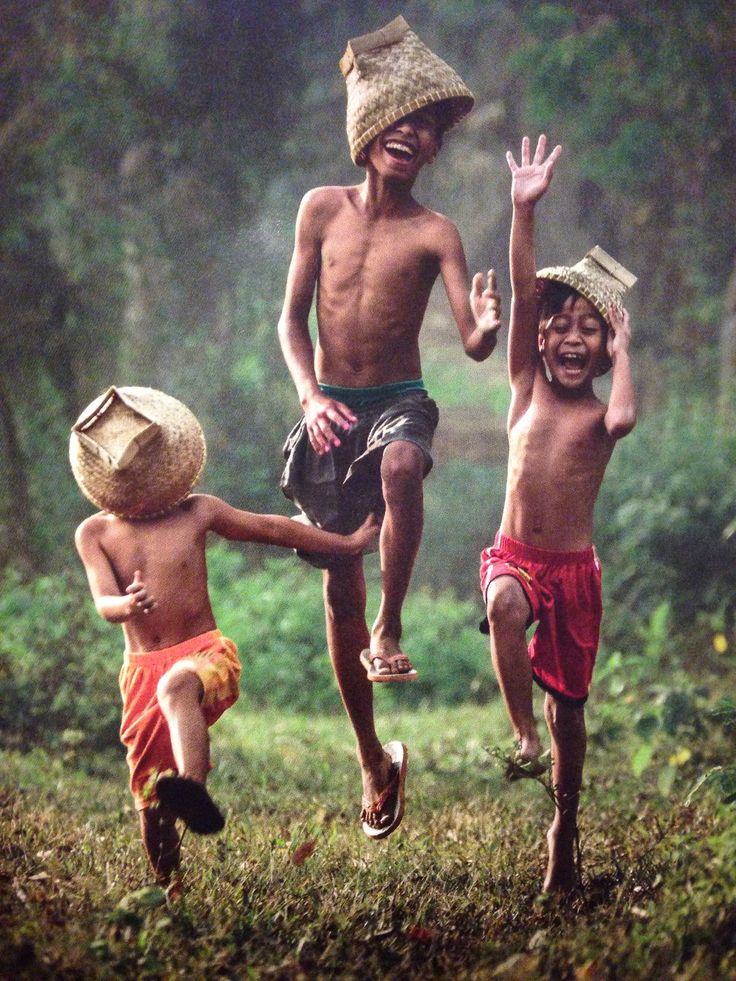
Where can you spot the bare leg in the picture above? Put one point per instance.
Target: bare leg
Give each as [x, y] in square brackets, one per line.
[179, 695]
[508, 614]
[347, 635]
[402, 471]
[161, 842]
[566, 725]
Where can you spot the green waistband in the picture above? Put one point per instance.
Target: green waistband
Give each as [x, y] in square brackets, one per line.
[358, 398]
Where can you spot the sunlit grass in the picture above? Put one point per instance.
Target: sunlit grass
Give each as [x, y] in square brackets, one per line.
[293, 889]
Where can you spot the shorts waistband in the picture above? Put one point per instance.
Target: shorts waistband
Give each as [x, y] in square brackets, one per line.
[357, 398]
[548, 556]
[151, 659]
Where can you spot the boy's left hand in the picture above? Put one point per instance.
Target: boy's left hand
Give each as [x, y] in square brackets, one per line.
[486, 303]
[619, 331]
[367, 534]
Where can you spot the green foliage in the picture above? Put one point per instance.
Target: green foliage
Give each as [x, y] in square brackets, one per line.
[665, 527]
[59, 664]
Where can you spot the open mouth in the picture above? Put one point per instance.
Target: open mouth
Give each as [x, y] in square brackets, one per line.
[400, 150]
[574, 362]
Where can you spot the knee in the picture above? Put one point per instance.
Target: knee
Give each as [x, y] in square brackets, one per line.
[177, 687]
[402, 468]
[507, 606]
[565, 722]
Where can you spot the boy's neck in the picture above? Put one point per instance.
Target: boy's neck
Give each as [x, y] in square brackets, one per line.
[382, 196]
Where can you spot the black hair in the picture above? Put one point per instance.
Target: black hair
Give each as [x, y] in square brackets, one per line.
[552, 295]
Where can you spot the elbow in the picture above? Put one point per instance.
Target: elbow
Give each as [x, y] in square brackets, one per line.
[621, 424]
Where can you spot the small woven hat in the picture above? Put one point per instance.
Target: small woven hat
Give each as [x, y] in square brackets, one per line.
[597, 277]
[136, 452]
[391, 73]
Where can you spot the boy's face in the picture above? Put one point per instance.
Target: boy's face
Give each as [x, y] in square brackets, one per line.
[403, 148]
[573, 342]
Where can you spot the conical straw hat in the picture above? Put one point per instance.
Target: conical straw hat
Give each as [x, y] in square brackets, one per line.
[391, 73]
[597, 277]
[136, 452]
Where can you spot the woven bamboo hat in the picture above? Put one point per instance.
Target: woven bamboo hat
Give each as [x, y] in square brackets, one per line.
[391, 73]
[597, 277]
[136, 452]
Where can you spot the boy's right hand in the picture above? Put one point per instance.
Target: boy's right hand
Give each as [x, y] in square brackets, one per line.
[142, 602]
[366, 535]
[320, 413]
[530, 180]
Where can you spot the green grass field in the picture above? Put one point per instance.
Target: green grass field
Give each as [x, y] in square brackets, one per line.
[292, 889]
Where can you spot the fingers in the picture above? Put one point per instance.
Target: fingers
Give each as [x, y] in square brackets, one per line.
[139, 594]
[321, 425]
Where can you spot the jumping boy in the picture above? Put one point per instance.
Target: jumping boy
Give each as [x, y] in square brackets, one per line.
[136, 453]
[373, 253]
[567, 326]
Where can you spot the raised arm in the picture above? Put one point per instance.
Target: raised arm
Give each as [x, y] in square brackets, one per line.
[620, 416]
[478, 315]
[293, 329]
[274, 529]
[110, 603]
[529, 182]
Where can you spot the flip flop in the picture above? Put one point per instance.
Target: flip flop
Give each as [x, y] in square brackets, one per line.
[392, 795]
[367, 658]
[189, 800]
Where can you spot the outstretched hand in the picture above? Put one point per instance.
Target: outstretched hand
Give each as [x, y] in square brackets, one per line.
[486, 303]
[367, 534]
[531, 179]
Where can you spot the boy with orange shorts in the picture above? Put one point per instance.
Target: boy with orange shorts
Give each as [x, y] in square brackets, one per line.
[136, 454]
[567, 327]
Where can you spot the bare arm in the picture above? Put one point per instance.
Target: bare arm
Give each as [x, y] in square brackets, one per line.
[620, 416]
[274, 529]
[529, 183]
[109, 602]
[478, 316]
[293, 329]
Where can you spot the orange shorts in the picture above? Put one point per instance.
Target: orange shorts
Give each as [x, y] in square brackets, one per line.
[144, 730]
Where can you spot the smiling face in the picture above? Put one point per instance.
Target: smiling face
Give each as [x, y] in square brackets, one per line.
[403, 148]
[572, 342]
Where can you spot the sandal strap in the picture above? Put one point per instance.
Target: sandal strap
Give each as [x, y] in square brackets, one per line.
[376, 807]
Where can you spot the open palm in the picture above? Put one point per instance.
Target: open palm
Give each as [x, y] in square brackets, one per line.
[531, 178]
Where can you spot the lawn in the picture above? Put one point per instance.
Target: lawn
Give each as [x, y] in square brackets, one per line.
[292, 889]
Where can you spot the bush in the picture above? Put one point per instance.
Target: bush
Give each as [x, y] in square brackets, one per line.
[59, 663]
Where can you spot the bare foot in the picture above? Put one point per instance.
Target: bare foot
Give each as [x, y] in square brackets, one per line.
[562, 873]
[375, 778]
[530, 748]
[385, 661]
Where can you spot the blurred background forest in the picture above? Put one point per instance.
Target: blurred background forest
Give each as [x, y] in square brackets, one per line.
[152, 159]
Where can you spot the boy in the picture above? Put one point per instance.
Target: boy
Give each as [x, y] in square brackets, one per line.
[373, 253]
[567, 327]
[136, 453]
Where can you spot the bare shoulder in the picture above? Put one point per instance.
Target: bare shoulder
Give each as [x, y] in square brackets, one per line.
[325, 202]
[92, 528]
[441, 230]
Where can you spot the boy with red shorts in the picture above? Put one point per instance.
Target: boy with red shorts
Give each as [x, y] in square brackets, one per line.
[567, 327]
[136, 453]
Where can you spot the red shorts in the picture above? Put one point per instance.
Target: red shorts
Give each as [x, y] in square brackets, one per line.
[144, 730]
[564, 594]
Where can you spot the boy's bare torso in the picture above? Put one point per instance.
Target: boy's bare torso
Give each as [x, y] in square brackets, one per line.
[558, 452]
[376, 272]
[169, 553]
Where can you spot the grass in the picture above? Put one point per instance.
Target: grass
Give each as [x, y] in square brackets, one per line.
[292, 889]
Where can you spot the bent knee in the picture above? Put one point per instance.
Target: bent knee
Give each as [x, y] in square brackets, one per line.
[402, 464]
[180, 683]
[507, 605]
